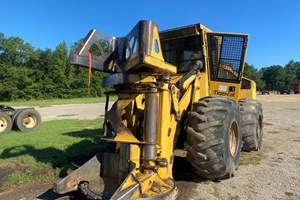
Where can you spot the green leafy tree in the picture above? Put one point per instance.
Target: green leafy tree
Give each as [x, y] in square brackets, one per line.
[57, 72]
[38, 66]
[298, 73]
[290, 73]
[15, 83]
[14, 54]
[255, 75]
[250, 72]
[274, 77]
[14, 51]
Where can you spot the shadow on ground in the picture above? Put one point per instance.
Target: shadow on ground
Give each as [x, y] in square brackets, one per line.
[182, 171]
[50, 195]
[67, 159]
[78, 153]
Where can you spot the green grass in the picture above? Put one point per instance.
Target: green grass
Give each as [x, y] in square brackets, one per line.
[235, 197]
[50, 151]
[250, 158]
[50, 102]
[19, 177]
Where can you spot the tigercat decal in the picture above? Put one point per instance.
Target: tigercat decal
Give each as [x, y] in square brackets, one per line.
[228, 94]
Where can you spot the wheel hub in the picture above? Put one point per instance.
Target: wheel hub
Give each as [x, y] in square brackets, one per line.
[3, 124]
[29, 121]
[258, 129]
[233, 139]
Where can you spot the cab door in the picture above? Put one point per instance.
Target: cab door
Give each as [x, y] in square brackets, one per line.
[226, 57]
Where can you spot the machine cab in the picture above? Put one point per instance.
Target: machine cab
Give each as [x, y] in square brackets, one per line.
[219, 56]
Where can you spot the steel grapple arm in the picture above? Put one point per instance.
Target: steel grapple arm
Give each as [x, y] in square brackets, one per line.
[135, 52]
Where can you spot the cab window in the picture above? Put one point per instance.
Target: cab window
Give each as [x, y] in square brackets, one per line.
[185, 53]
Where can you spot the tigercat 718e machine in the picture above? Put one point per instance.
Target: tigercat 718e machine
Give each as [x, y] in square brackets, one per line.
[183, 85]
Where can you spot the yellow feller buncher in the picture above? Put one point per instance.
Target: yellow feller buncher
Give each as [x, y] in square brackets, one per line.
[183, 85]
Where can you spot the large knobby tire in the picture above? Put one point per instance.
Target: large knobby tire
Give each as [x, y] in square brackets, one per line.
[5, 123]
[28, 120]
[252, 124]
[214, 137]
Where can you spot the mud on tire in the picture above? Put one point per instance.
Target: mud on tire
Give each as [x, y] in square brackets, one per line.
[214, 138]
[252, 124]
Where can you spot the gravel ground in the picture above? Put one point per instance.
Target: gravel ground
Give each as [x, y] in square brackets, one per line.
[71, 111]
[277, 176]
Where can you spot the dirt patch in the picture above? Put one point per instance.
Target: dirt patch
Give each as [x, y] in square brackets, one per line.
[7, 169]
[33, 191]
[41, 171]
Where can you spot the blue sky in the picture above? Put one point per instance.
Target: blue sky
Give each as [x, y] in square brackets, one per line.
[273, 25]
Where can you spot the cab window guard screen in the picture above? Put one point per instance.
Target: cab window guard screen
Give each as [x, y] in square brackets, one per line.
[226, 56]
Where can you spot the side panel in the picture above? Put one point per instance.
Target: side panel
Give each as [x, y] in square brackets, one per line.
[231, 90]
[248, 89]
[200, 87]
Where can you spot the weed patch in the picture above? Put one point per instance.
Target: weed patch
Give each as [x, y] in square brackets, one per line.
[250, 158]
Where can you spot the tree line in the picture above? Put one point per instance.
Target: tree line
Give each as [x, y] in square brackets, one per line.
[28, 73]
[275, 77]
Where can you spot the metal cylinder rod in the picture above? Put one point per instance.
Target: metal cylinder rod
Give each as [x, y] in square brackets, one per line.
[150, 129]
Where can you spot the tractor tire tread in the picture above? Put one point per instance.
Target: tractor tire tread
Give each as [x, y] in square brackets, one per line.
[206, 153]
[251, 119]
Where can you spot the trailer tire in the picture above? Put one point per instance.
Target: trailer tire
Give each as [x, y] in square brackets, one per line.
[252, 124]
[28, 120]
[5, 123]
[214, 137]
[14, 116]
